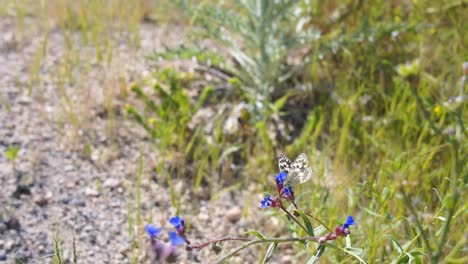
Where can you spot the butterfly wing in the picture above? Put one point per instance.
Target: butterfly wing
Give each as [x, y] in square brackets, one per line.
[284, 163]
[300, 172]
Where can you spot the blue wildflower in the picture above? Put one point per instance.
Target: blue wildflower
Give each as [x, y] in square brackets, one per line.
[266, 202]
[175, 239]
[349, 222]
[288, 191]
[177, 222]
[280, 178]
[152, 231]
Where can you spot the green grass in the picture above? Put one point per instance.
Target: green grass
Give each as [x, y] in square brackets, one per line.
[380, 140]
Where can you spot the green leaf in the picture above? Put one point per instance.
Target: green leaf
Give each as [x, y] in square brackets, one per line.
[204, 95]
[255, 233]
[148, 102]
[396, 246]
[12, 152]
[318, 253]
[307, 223]
[229, 151]
[355, 252]
[140, 120]
[269, 252]
[278, 104]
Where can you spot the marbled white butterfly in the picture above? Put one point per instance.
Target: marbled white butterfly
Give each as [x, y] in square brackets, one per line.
[297, 171]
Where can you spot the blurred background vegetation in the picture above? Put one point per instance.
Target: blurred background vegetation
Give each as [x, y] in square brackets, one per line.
[372, 91]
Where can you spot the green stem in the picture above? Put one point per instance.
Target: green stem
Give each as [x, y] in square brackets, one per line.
[452, 204]
[418, 223]
[292, 217]
[201, 246]
[265, 240]
[426, 114]
[316, 219]
[323, 224]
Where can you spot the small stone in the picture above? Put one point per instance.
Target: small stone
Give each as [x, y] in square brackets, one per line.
[111, 183]
[77, 202]
[91, 192]
[286, 259]
[3, 256]
[202, 194]
[24, 100]
[68, 168]
[3, 228]
[234, 214]
[21, 189]
[65, 199]
[13, 223]
[41, 200]
[203, 217]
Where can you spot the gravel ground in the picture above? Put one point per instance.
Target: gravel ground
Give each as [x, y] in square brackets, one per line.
[82, 178]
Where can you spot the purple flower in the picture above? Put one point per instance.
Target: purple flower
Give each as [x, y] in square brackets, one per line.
[152, 230]
[349, 222]
[266, 202]
[175, 239]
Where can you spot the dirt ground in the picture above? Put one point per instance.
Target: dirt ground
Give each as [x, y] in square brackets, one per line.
[82, 177]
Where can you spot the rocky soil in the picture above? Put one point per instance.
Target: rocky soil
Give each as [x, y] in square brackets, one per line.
[79, 178]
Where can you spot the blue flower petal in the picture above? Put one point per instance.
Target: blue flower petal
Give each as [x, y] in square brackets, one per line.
[266, 202]
[175, 239]
[288, 191]
[349, 222]
[176, 221]
[281, 177]
[152, 230]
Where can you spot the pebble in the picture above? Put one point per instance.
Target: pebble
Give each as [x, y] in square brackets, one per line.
[24, 100]
[65, 200]
[286, 259]
[234, 214]
[77, 202]
[111, 183]
[13, 223]
[21, 190]
[42, 200]
[3, 256]
[91, 192]
[69, 168]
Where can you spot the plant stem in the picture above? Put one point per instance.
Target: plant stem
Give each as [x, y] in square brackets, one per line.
[452, 204]
[316, 219]
[418, 223]
[426, 114]
[292, 217]
[266, 240]
[201, 246]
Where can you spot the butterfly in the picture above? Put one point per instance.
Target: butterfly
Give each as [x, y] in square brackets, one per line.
[297, 171]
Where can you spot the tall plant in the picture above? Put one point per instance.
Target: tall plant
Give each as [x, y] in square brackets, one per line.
[258, 36]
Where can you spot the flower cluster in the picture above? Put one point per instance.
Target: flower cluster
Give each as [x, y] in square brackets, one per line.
[339, 231]
[284, 192]
[166, 252]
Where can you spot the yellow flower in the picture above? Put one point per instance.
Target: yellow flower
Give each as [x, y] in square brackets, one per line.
[437, 110]
[152, 121]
